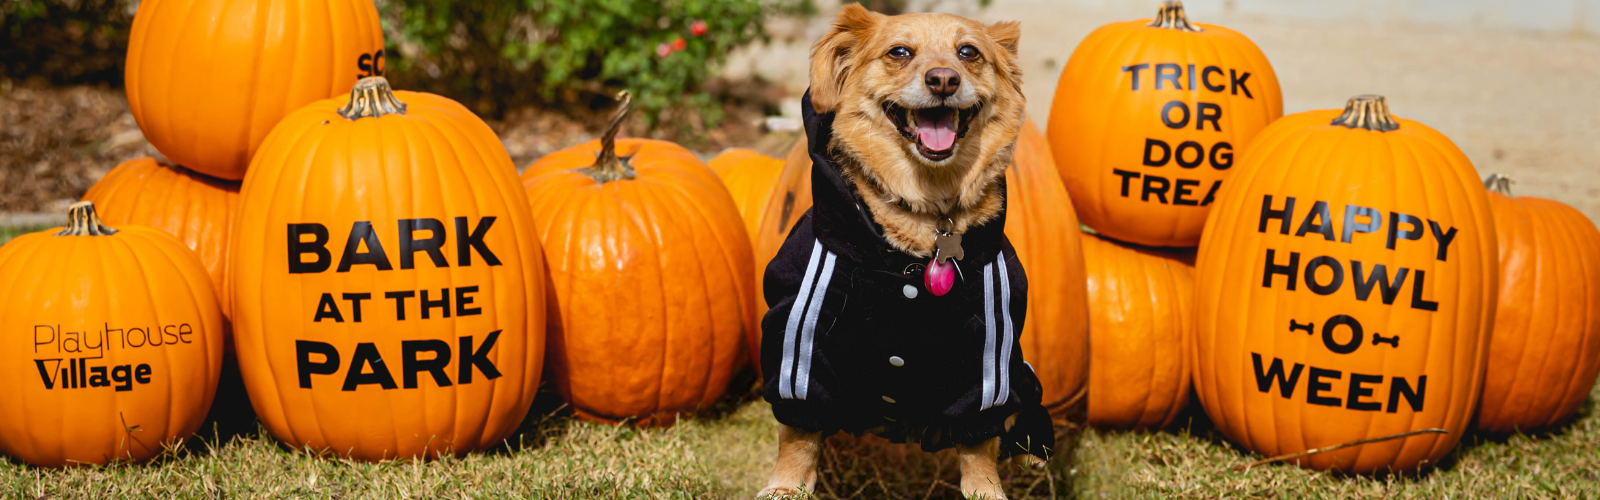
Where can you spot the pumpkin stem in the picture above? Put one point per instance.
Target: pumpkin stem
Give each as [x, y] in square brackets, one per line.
[1498, 183]
[607, 165]
[1368, 111]
[372, 97]
[1171, 17]
[83, 221]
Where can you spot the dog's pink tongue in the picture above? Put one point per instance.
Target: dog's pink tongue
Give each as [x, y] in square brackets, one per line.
[937, 134]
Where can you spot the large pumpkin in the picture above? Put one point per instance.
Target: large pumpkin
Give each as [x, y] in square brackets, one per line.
[387, 281]
[207, 79]
[116, 343]
[1147, 119]
[651, 279]
[198, 210]
[1346, 289]
[790, 200]
[1141, 316]
[750, 177]
[1044, 230]
[1546, 347]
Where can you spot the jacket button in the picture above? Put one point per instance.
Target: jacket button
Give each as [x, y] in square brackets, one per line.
[896, 361]
[888, 399]
[910, 291]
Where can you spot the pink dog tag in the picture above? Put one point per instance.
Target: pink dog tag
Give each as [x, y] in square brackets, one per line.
[940, 277]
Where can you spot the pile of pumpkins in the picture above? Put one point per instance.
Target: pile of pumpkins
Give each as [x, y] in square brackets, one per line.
[387, 285]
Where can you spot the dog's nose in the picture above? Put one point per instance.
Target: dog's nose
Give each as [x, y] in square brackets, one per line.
[943, 82]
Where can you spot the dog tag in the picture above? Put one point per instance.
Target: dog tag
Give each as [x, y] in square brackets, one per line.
[947, 245]
[941, 274]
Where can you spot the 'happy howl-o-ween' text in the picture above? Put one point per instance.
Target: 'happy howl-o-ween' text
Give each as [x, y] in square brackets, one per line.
[420, 358]
[1367, 282]
[1178, 115]
[79, 354]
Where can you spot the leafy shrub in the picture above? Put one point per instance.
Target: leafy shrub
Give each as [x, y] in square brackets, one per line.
[65, 41]
[488, 53]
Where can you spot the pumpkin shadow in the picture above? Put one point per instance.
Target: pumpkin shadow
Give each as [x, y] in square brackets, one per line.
[230, 415]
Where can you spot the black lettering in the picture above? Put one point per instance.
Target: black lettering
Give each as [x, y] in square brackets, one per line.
[97, 377]
[1333, 284]
[1205, 79]
[1372, 225]
[167, 333]
[1181, 189]
[473, 241]
[377, 63]
[318, 245]
[184, 330]
[1212, 194]
[1417, 302]
[1191, 77]
[1237, 82]
[1353, 400]
[1315, 386]
[122, 375]
[1169, 72]
[1135, 69]
[1222, 156]
[328, 366]
[1332, 325]
[367, 355]
[479, 358]
[1319, 212]
[410, 366]
[355, 304]
[52, 339]
[47, 375]
[1207, 112]
[1395, 233]
[1443, 237]
[434, 245]
[463, 300]
[141, 373]
[443, 304]
[1157, 185]
[327, 309]
[1267, 213]
[1199, 154]
[1399, 387]
[1287, 271]
[1150, 146]
[400, 302]
[361, 232]
[1166, 114]
[1264, 379]
[1126, 177]
[364, 63]
[1380, 277]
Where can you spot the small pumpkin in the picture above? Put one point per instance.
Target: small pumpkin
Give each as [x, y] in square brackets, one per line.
[651, 279]
[1545, 352]
[388, 285]
[1345, 289]
[123, 337]
[1141, 303]
[196, 209]
[207, 79]
[790, 200]
[1044, 231]
[750, 177]
[1147, 119]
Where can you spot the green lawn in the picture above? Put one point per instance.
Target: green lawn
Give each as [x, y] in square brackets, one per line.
[728, 453]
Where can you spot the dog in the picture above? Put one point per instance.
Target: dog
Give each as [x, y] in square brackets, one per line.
[910, 121]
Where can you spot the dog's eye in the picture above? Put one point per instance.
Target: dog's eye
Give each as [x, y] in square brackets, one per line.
[968, 52]
[900, 53]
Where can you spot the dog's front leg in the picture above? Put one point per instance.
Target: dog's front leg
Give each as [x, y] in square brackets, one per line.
[980, 477]
[796, 472]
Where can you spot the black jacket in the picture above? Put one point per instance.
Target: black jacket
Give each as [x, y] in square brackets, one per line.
[854, 342]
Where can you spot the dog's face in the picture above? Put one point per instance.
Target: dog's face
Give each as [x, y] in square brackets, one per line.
[919, 92]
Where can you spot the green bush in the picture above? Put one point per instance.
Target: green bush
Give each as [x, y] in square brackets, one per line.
[488, 53]
[65, 41]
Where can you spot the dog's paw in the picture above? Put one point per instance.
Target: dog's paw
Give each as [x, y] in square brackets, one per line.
[981, 490]
[782, 493]
[1029, 461]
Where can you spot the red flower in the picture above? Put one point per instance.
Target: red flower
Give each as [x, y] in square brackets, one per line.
[663, 50]
[697, 28]
[679, 44]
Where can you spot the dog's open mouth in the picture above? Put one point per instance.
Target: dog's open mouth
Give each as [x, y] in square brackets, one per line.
[935, 130]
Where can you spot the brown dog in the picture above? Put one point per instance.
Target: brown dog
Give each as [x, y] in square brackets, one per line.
[916, 117]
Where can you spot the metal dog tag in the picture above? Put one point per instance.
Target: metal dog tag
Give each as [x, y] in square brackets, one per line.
[947, 245]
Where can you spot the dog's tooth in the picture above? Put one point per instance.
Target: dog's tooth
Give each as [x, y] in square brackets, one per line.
[911, 119]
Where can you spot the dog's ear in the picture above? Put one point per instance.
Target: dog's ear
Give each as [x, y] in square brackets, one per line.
[830, 56]
[1007, 34]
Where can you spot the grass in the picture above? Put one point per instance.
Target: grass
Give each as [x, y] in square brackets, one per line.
[728, 453]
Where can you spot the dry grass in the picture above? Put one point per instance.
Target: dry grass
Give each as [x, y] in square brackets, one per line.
[728, 454]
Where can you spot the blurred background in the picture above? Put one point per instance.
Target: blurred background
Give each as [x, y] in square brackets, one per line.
[1516, 84]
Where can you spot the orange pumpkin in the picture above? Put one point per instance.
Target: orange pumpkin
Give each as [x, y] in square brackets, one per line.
[790, 200]
[1345, 289]
[207, 79]
[123, 343]
[1147, 119]
[650, 277]
[1546, 347]
[387, 282]
[1141, 303]
[198, 210]
[750, 178]
[1044, 230]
